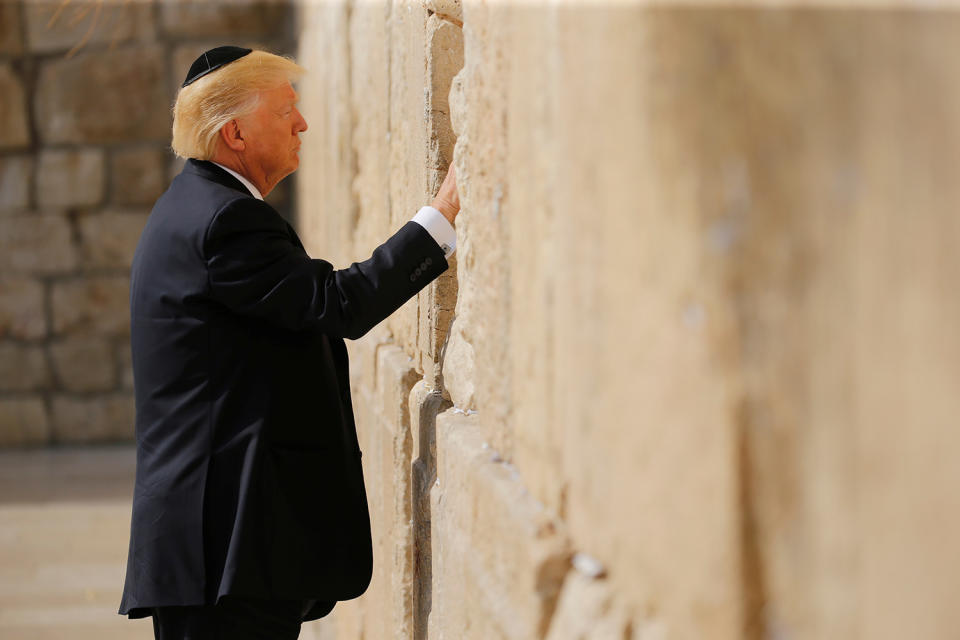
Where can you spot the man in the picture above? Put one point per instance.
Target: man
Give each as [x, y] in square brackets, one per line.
[249, 512]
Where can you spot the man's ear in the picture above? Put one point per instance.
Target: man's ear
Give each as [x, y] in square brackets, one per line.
[232, 136]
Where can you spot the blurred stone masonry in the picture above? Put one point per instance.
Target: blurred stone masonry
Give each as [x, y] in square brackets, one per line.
[693, 372]
[86, 90]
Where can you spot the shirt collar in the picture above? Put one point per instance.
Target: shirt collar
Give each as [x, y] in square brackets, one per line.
[249, 185]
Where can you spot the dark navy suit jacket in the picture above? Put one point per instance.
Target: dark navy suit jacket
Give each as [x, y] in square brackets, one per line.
[248, 478]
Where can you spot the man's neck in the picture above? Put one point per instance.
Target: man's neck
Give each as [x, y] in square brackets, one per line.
[236, 164]
[252, 188]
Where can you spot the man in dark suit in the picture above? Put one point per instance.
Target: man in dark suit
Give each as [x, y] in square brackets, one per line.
[249, 512]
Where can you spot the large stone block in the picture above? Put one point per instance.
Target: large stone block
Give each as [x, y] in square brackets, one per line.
[108, 418]
[109, 239]
[14, 127]
[589, 610]
[71, 178]
[23, 368]
[11, 41]
[190, 19]
[387, 461]
[451, 10]
[96, 305]
[16, 182]
[54, 25]
[499, 557]
[36, 244]
[23, 421]
[22, 314]
[102, 97]
[84, 364]
[138, 176]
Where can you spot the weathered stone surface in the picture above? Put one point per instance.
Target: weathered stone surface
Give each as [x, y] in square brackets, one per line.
[328, 163]
[23, 368]
[447, 9]
[588, 610]
[94, 305]
[186, 18]
[23, 421]
[71, 178]
[483, 589]
[98, 419]
[16, 182]
[14, 128]
[138, 176]
[22, 309]
[400, 75]
[11, 42]
[84, 364]
[53, 25]
[110, 96]
[387, 459]
[36, 244]
[109, 239]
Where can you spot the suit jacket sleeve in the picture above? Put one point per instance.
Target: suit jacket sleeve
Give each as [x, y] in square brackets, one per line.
[258, 268]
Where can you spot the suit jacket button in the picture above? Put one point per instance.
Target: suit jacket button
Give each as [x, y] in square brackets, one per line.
[417, 271]
[412, 277]
[428, 261]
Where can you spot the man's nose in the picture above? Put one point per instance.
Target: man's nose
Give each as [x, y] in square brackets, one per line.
[301, 121]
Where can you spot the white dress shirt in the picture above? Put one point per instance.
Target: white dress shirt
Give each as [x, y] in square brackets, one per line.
[429, 218]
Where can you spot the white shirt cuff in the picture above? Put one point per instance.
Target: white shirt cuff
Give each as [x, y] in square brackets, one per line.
[439, 228]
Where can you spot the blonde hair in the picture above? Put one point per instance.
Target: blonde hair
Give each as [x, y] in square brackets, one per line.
[232, 91]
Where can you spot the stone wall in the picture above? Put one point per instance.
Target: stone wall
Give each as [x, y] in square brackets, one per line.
[86, 90]
[693, 370]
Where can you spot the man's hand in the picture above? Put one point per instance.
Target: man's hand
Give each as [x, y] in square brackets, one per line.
[447, 201]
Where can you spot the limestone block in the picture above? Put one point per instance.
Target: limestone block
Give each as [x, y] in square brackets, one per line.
[108, 418]
[11, 41]
[102, 97]
[190, 19]
[138, 176]
[435, 316]
[23, 421]
[387, 462]
[109, 239]
[53, 25]
[363, 359]
[36, 244]
[447, 9]
[444, 61]
[16, 181]
[588, 610]
[328, 163]
[483, 243]
[84, 364]
[22, 313]
[484, 587]
[425, 403]
[14, 128]
[458, 372]
[71, 178]
[95, 305]
[23, 368]
[404, 165]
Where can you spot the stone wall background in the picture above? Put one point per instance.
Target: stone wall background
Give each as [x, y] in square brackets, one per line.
[84, 153]
[693, 371]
